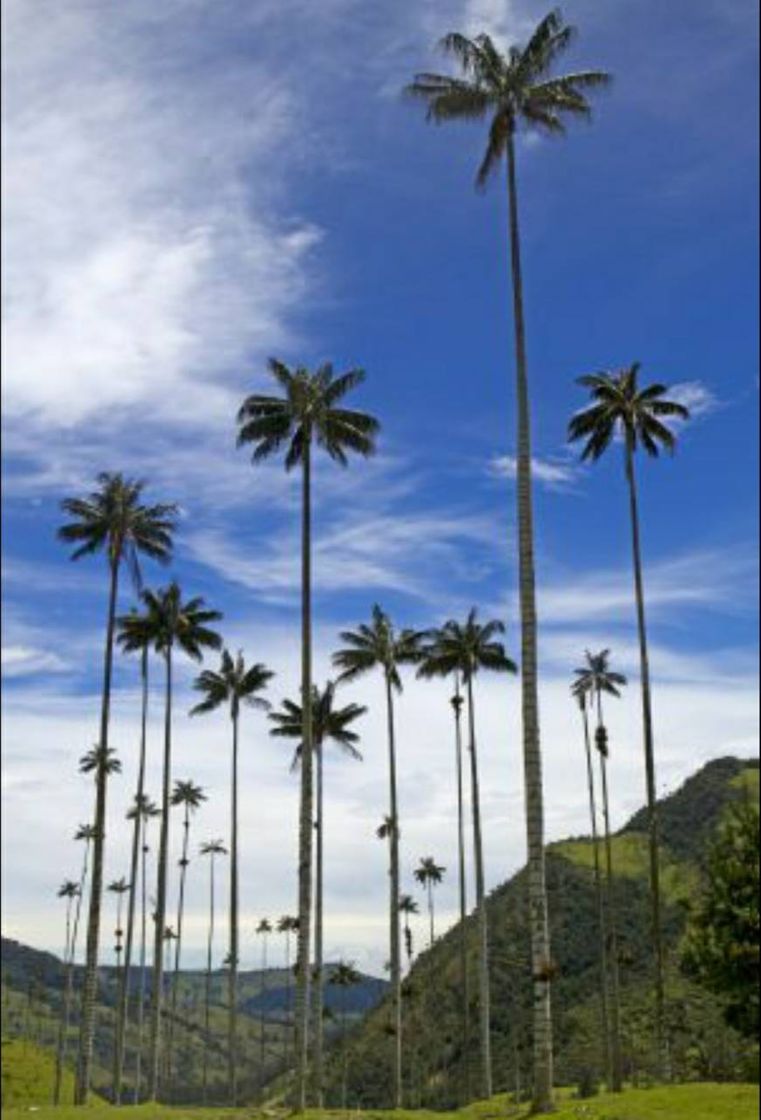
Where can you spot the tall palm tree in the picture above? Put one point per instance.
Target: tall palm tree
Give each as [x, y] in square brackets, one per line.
[595, 678]
[232, 685]
[328, 723]
[581, 693]
[85, 832]
[119, 887]
[265, 929]
[408, 907]
[210, 848]
[70, 891]
[456, 702]
[379, 645]
[429, 874]
[184, 625]
[518, 89]
[344, 976]
[112, 519]
[143, 810]
[287, 925]
[620, 406]
[190, 797]
[135, 632]
[467, 648]
[97, 761]
[306, 413]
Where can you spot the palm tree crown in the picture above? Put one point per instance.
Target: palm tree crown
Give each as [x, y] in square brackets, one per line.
[597, 676]
[213, 848]
[98, 756]
[85, 832]
[305, 411]
[68, 889]
[377, 644]
[113, 518]
[465, 648]
[428, 872]
[265, 926]
[173, 622]
[232, 684]
[328, 722]
[188, 793]
[620, 406]
[407, 904]
[511, 89]
[143, 807]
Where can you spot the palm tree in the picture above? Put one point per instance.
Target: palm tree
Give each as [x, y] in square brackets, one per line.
[70, 891]
[516, 89]
[265, 929]
[97, 761]
[233, 684]
[621, 407]
[457, 701]
[190, 797]
[407, 907]
[344, 976]
[580, 693]
[85, 832]
[305, 414]
[113, 519]
[429, 874]
[287, 925]
[467, 648]
[184, 624]
[134, 635]
[595, 678]
[119, 887]
[210, 848]
[378, 645]
[328, 723]
[143, 811]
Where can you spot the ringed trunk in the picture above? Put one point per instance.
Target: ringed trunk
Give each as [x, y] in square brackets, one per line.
[160, 918]
[463, 944]
[177, 945]
[396, 969]
[64, 1027]
[484, 1010]
[318, 977]
[232, 1027]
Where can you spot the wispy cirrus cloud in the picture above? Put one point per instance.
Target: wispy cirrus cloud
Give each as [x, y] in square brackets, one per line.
[556, 473]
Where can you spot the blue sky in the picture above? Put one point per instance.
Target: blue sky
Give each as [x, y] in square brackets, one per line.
[191, 189]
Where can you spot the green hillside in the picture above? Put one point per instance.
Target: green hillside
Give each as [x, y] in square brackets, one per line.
[27, 1075]
[702, 1046]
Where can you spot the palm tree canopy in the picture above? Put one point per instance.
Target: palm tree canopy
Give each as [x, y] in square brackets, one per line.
[429, 871]
[188, 793]
[344, 974]
[68, 889]
[621, 407]
[119, 886]
[385, 828]
[380, 645]
[407, 904]
[95, 758]
[512, 89]
[85, 832]
[213, 848]
[143, 807]
[181, 623]
[136, 631]
[306, 411]
[114, 518]
[265, 926]
[287, 924]
[597, 676]
[465, 648]
[232, 684]
[328, 722]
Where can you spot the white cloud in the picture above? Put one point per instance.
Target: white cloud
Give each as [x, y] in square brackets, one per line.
[695, 396]
[22, 661]
[555, 473]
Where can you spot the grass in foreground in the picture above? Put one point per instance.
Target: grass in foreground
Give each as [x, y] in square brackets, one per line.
[703, 1101]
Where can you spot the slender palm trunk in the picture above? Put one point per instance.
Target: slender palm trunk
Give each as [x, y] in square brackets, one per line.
[288, 1001]
[532, 760]
[63, 1033]
[89, 989]
[344, 1051]
[612, 931]
[67, 953]
[647, 728]
[207, 986]
[318, 978]
[396, 964]
[177, 946]
[232, 976]
[143, 939]
[457, 705]
[261, 1013]
[483, 934]
[158, 956]
[430, 914]
[123, 996]
[303, 939]
[604, 1021]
